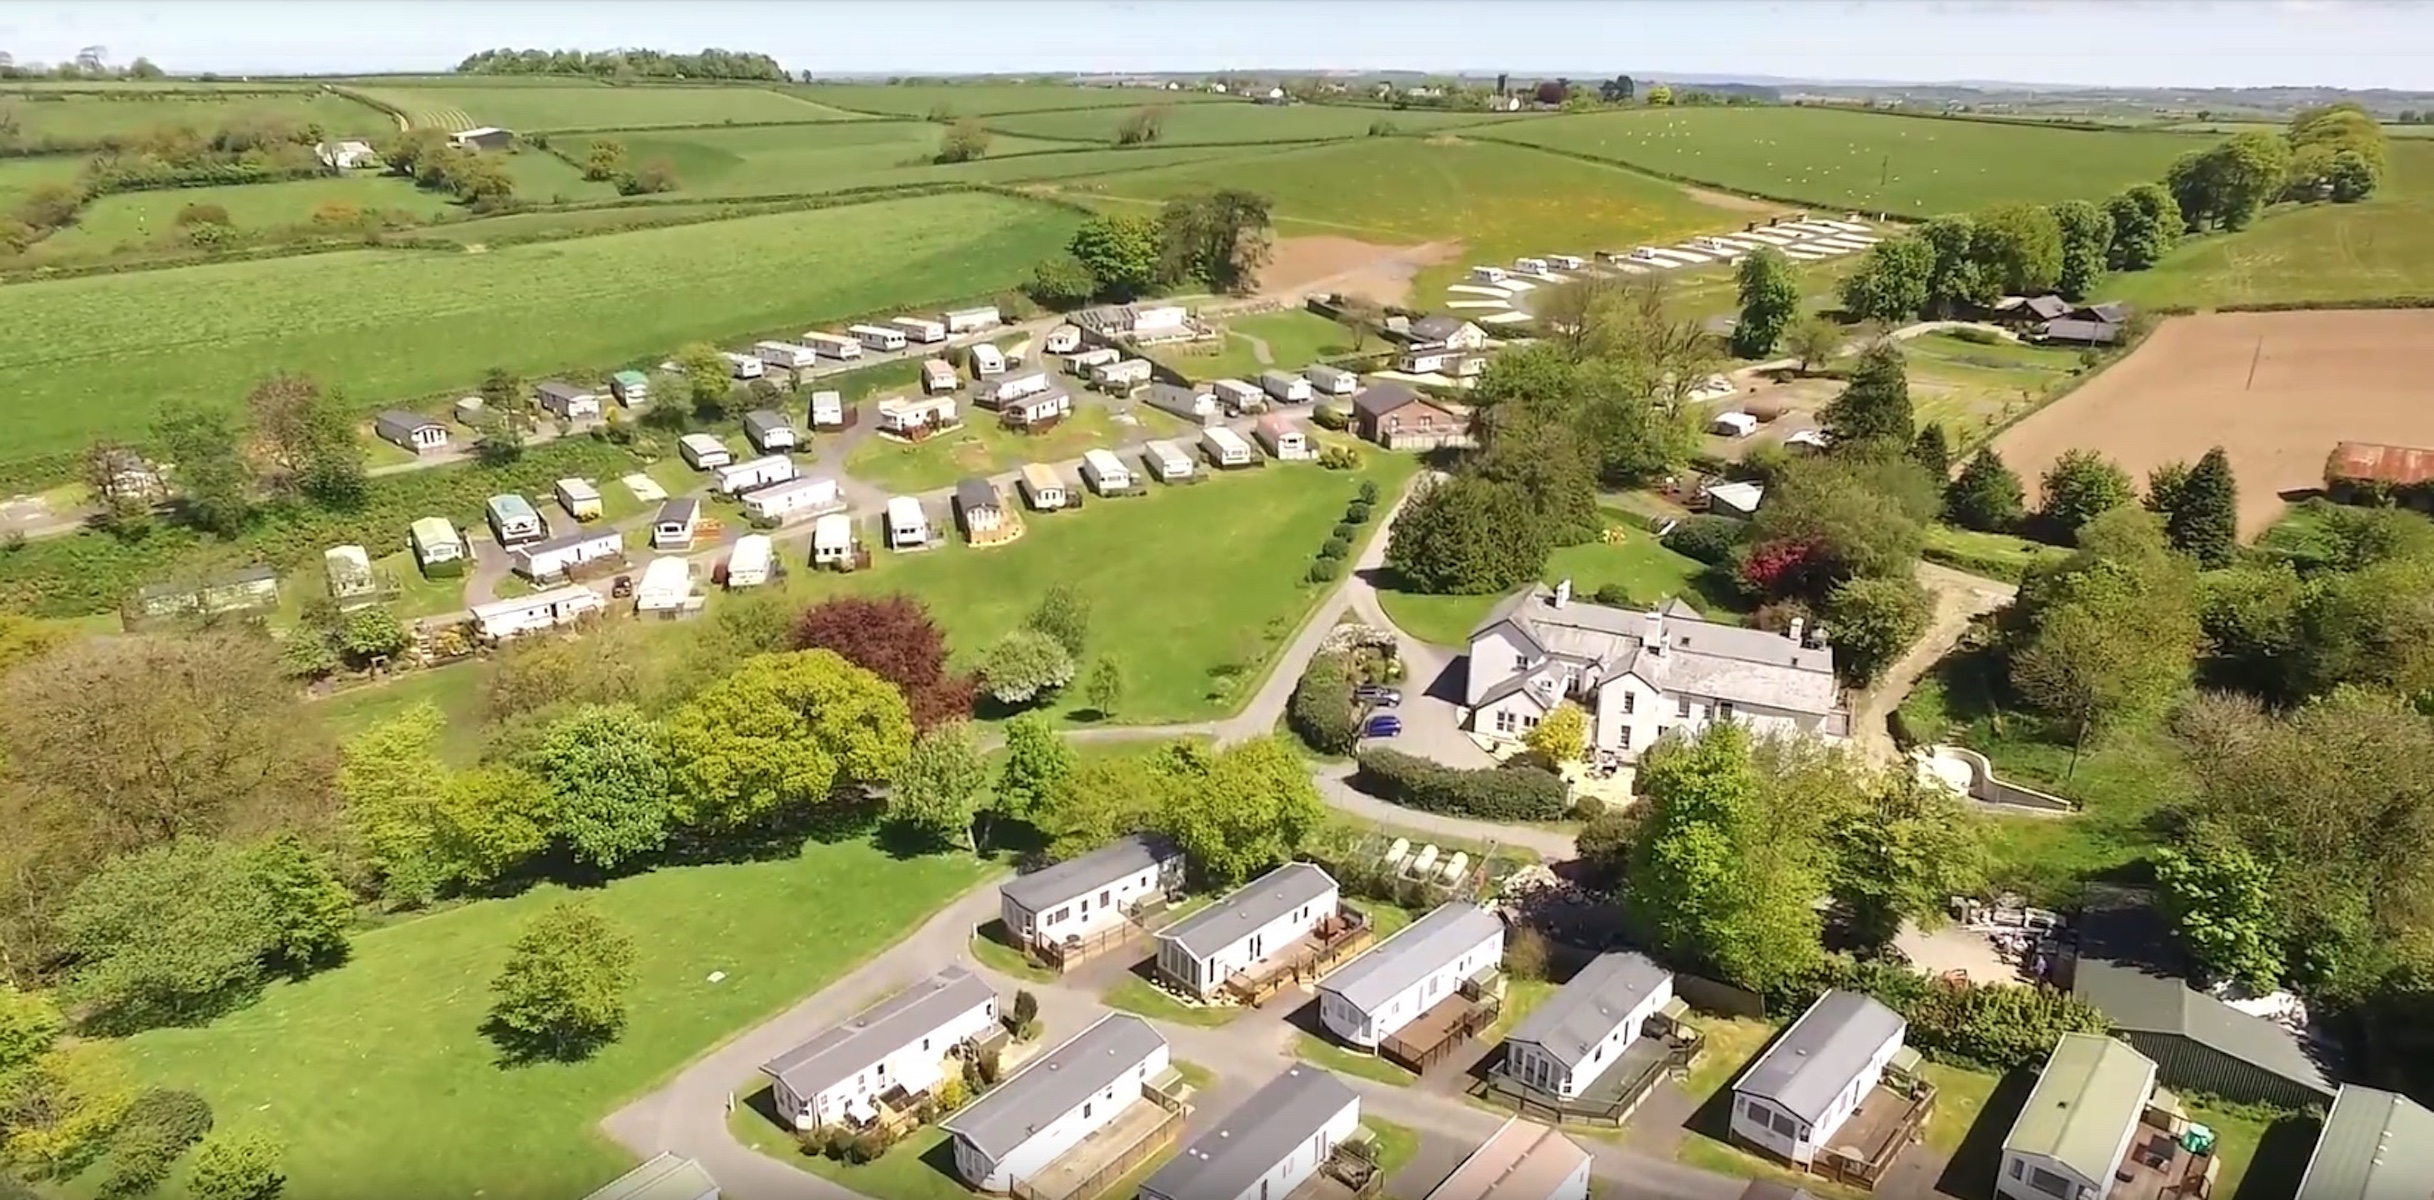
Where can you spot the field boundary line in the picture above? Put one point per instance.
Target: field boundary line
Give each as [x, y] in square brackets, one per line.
[695, 126]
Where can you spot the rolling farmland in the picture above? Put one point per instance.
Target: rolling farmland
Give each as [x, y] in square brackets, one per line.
[97, 354]
[797, 160]
[986, 99]
[86, 114]
[1864, 161]
[596, 106]
[1235, 123]
[136, 216]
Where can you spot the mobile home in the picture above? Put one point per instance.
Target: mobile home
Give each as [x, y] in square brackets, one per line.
[558, 557]
[1044, 1110]
[770, 432]
[1332, 381]
[786, 355]
[1064, 339]
[983, 513]
[1124, 375]
[987, 361]
[1585, 1028]
[1194, 404]
[1410, 974]
[504, 619]
[1530, 266]
[938, 375]
[735, 479]
[630, 387]
[921, 329]
[1043, 487]
[907, 524]
[703, 452]
[514, 521]
[673, 528]
[878, 337]
[438, 548]
[794, 499]
[1105, 473]
[1252, 926]
[744, 366]
[412, 430]
[581, 499]
[827, 410]
[749, 563]
[1080, 898]
[916, 416]
[1225, 448]
[1168, 463]
[567, 401]
[1283, 439]
[833, 345]
[1488, 275]
[666, 585]
[1268, 1146]
[1037, 410]
[832, 540]
[1285, 386]
[349, 570]
[906, 1041]
[1238, 397]
[1097, 356]
[971, 320]
[1015, 388]
[1565, 262]
[1797, 1096]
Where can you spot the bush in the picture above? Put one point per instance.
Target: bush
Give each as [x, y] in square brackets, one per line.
[1369, 491]
[1997, 1028]
[1975, 336]
[1357, 512]
[157, 1130]
[1320, 710]
[1326, 570]
[1340, 458]
[1525, 953]
[1336, 547]
[1346, 531]
[1708, 539]
[1329, 417]
[1514, 793]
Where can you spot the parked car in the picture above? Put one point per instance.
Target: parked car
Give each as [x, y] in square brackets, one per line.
[623, 588]
[1384, 725]
[1378, 696]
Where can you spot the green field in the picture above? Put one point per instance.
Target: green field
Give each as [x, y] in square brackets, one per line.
[1294, 339]
[982, 99]
[808, 159]
[384, 1052]
[1647, 570]
[1873, 163]
[981, 447]
[97, 354]
[140, 216]
[19, 175]
[597, 106]
[1973, 389]
[567, 222]
[544, 178]
[87, 113]
[1220, 123]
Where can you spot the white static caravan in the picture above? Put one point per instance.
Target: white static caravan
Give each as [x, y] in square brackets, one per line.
[1226, 448]
[1166, 461]
[551, 560]
[1064, 339]
[1256, 922]
[1285, 386]
[1489, 275]
[938, 375]
[1238, 397]
[579, 498]
[1080, 897]
[882, 338]
[1268, 1146]
[1016, 387]
[786, 355]
[1105, 473]
[770, 432]
[665, 586]
[745, 366]
[913, 416]
[1097, 356]
[1524, 1161]
[1044, 1110]
[794, 499]
[735, 479]
[833, 345]
[921, 329]
[1127, 373]
[749, 563]
[827, 410]
[1566, 262]
[1583, 1029]
[1798, 1094]
[1332, 381]
[904, 1041]
[971, 320]
[502, 619]
[1421, 966]
[1530, 266]
[672, 528]
[703, 452]
[987, 361]
[907, 524]
[514, 521]
[832, 540]
[1037, 410]
[1283, 439]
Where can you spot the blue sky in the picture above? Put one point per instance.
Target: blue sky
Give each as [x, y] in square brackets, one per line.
[2348, 43]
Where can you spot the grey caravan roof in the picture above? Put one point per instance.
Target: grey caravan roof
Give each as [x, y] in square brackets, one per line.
[1087, 1064]
[1407, 958]
[1249, 907]
[1278, 1119]
[679, 511]
[400, 423]
[1589, 1007]
[972, 494]
[1823, 1051]
[867, 1037]
[761, 420]
[1073, 877]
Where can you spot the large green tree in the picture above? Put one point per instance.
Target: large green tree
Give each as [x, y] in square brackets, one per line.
[308, 907]
[608, 782]
[211, 476]
[1038, 763]
[1468, 536]
[2080, 486]
[2226, 185]
[1123, 252]
[1237, 811]
[942, 787]
[1901, 855]
[1026, 667]
[562, 993]
[2203, 517]
[1873, 412]
[1063, 613]
[1770, 299]
[1986, 495]
[141, 962]
[1873, 620]
[2108, 636]
[1960, 273]
[2087, 243]
[2221, 902]
[2146, 224]
[2018, 248]
[785, 733]
[1891, 283]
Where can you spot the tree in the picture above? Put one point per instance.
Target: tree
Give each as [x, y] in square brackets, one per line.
[1063, 614]
[2108, 636]
[784, 733]
[1770, 299]
[2146, 223]
[1902, 854]
[2201, 514]
[893, 637]
[1562, 736]
[1236, 811]
[2352, 178]
[1024, 667]
[62, 1110]
[608, 784]
[1958, 274]
[2225, 186]
[967, 140]
[1708, 878]
[941, 787]
[1142, 125]
[2079, 487]
[1873, 412]
[1220, 238]
[1467, 536]
[49, 204]
[562, 993]
[1038, 763]
[1103, 688]
[1098, 802]
[2018, 248]
[509, 417]
[204, 449]
[1122, 252]
[1617, 90]
[1826, 520]
[309, 909]
[370, 633]
[2087, 242]
[1659, 95]
[1986, 496]
[1890, 285]
[1813, 342]
[1873, 621]
[709, 379]
[2220, 899]
[142, 964]
[654, 176]
[29, 1024]
[307, 438]
[1536, 452]
[604, 160]
[1931, 452]
[1060, 282]
[392, 779]
[159, 1129]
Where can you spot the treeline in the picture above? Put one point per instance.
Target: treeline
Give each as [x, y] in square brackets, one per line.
[1218, 240]
[626, 64]
[88, 65]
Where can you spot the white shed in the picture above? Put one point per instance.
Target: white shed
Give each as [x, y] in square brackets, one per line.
[769, 431]
[827, 410]
[1285, 386]
[1127, 373]
[748, 565]
[937, 375]
[1097, 356]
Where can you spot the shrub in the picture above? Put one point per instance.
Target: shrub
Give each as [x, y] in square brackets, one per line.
[1708, 539]
[1998, 1028]
[1340, 458]
[1335, 548]
[1329, 417]
[1346, 531]
[1514, 793]
[1525, 953]
[1357, 513]
[158, 1129]
[1320, 710]
[1975, 336]
[1369, 491]
[1326, 570]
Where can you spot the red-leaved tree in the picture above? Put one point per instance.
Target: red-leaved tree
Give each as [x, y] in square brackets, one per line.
[894, 638]
[1784, 567]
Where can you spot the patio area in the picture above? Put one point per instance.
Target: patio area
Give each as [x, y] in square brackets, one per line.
[1110, 1152]
[1437, 1033]
[2159, 1167]
[1303, 960]
[1887, 1121]
[1611, 1098]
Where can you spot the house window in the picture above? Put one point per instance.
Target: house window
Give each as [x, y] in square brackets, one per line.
[1681, 707]
[1757, 1112]
[1505, 722]
[1784, 1125]
[1626, 737]
[1058, 917]
[2016, 1164]
[1085, 1110]
[2049, 1183]
[1631, 702]
[1521, 662]
[1102, 899]
[1724, 710]
[925, 1043]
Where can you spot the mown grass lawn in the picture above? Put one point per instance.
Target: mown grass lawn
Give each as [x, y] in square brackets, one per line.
[386, 1051]
[1235, 123]
[1137, 995]
[981, 447]
[1192, 589]
[139, 216]
[1295, 338]
[1642, 566]
[456, 690]
[2002, 555]
[1312, 1048]
[1972, 389]
[574, 105]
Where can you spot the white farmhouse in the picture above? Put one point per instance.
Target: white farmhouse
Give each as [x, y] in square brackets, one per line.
[1081, 897]
[1254, 924]
[1798, 1094]
[1048, 1107]
[1644, 674]
[1418, 968]
[1267, 1146]
[1581, 1031]
[901, 1042]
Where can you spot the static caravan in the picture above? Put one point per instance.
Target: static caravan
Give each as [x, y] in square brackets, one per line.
[907, 1041]
[630, 387]
[1269, 1145]
[971, 320]
[1331, 381]
[1037, 411]
[833, 345]
[1255, 924]
[828, 410]
[1097, 356]
[1167, 462]
[735, 479]
[438, 548]
[770, 432]
[567, 401]
[703, 452]
[666, 585]
[1566, 262]
[1285, 386]
[744, 366]
[1125, 375]
[1064, 339]
[1015, 388]
[349, 570]
[672, 529]
[1105, 473]
[916, 416]
[1043, 488]
[410, 430]
[938, 375]
[1080, 898]
[832, 540]
[468, 411]
[794, 499]
[1530, 266]
[983, 513]
[1238, 397]
[1796, 1097]
[1283, 439]
[907, 525]
[1582, 1031]
[1410, 974]
[514, 521]
[921, 329]
[786, 355]
[581, 499]
[504, 619]
[878, 337]
[1040, 1113]
[559, 556]
[987, 361]
[1225, 448]
[748, 565]
[1194, 404]
[1489, 275]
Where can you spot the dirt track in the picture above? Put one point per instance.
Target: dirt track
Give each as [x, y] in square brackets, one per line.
[1325, 263]
[2275, 390]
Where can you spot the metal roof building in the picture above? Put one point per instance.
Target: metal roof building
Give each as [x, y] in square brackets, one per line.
[1821, 1054]
[1280, 1118]
[2376, 1145]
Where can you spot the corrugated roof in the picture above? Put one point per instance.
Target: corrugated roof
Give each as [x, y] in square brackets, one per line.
[2376, 1145]
[666, 1177]
[1250, 907]
[2399, 466]
[1821, 1054]
[1088, 1063]
[1408, 957]
[2092, 1089]
[1074, 877]
[1585, 1010]
[869, 1036]
[1278, 1119]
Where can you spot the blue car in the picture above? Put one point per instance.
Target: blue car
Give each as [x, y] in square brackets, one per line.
[1383, 725]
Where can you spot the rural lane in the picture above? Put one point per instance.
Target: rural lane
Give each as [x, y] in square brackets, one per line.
[1959, 598]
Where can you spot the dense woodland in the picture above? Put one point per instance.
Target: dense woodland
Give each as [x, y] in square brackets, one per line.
[625, 64]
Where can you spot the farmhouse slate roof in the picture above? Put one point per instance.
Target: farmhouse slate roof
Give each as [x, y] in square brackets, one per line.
[1821, 1054]
[1050, 886]
[1382, 398]
[1249, 908]
[1580, 1015]
[1699, 657]
[1403, 960]
[868, 1037]
[1088, 1063]
[1278, 1119]
[2101, 333]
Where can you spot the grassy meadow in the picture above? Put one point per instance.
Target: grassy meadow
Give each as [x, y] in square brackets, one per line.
[807, 159]
[1864, 161]
[1294, 338]
[1233, 123]
[985, 99]
[140, 216]
[575, 105]
[88, 112]
[1644, 568]
[21, 175]
[96, 355]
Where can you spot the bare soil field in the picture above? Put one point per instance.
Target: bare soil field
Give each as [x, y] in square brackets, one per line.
[2275, 390]
[1325, 263]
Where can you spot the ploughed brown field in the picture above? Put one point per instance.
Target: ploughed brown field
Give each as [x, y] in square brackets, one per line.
[2275, 390]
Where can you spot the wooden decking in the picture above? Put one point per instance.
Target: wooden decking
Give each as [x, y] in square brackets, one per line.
[1435, 1035]
[1335, 941]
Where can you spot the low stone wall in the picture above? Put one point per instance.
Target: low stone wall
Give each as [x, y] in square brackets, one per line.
[1984, 787]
